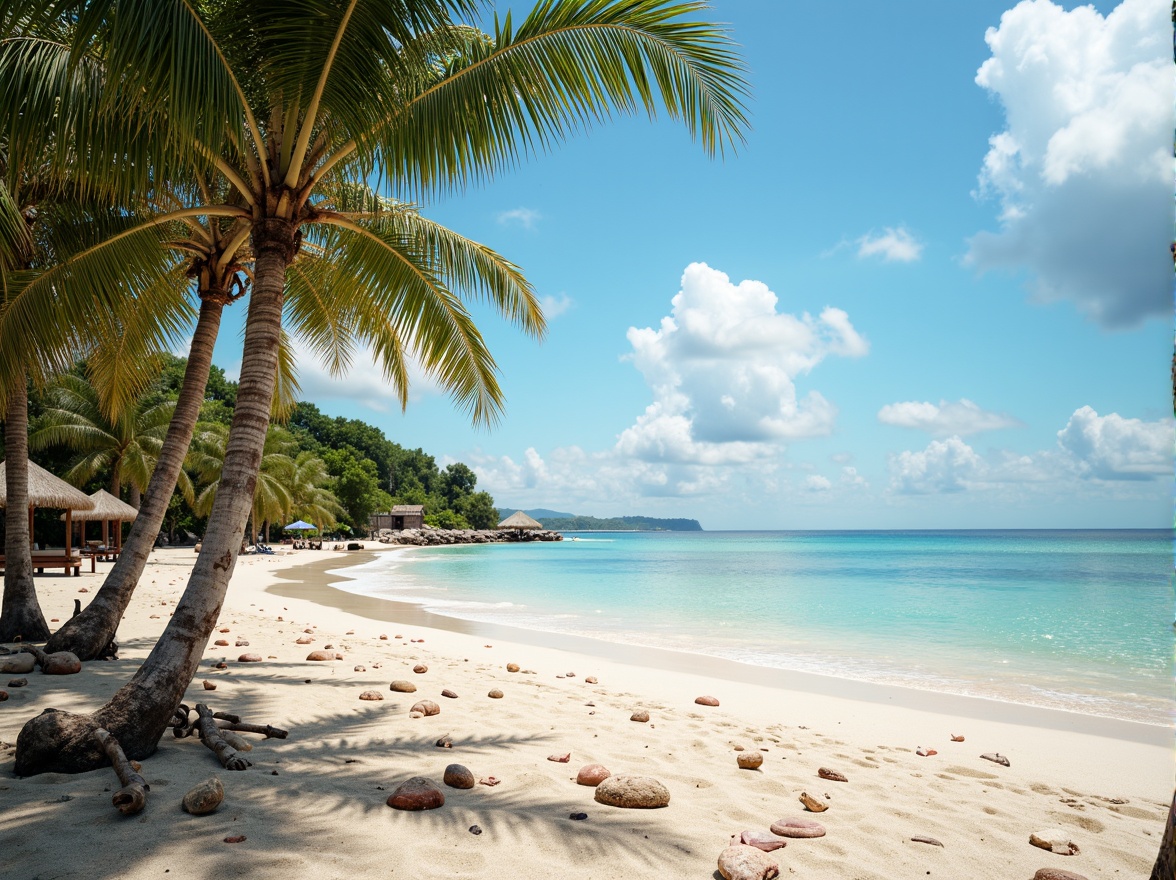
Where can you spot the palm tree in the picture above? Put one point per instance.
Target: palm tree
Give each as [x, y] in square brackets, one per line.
[311, 500]
[286, 114]
[126, 446]
[51, 209]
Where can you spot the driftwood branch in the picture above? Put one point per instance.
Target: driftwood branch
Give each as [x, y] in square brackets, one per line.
[132, 797]
[210, 735]
[264, 729]
[184, 725]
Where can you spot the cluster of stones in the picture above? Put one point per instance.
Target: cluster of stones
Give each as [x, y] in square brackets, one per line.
[430, 536]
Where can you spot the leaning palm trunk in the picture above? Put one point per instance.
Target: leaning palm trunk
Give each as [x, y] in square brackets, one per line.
[88, 634]
[139, 713]
[1165, 866]
[20, 613]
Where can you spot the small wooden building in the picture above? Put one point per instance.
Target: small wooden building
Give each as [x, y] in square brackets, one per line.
[401, 516]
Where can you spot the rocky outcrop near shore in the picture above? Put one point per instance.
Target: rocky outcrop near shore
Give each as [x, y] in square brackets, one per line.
[431, 537]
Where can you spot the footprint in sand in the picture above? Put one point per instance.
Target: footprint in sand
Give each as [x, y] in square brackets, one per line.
[970, 773]
[1086, 823]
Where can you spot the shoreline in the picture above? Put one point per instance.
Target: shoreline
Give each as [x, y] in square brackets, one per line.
[312, 582]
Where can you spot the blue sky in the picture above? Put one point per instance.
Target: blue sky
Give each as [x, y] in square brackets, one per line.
[931, 290]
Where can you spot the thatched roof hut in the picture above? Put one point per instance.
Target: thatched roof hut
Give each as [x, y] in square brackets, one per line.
[46, 490]
[107, 508]
[519, 520]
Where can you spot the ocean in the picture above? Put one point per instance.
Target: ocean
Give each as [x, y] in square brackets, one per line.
[1074, 620]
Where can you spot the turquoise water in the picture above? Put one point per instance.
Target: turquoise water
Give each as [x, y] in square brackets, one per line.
[1077, 620]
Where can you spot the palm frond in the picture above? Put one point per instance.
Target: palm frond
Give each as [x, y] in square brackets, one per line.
[570, 63]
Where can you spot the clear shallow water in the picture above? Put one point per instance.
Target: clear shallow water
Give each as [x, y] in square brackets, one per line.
[1077, 620]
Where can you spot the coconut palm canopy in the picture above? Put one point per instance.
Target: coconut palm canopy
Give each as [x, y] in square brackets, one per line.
[46, 490]
[519, 520]
[106, 508]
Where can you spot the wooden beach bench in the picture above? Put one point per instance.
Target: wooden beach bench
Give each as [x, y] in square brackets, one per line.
[43, 559]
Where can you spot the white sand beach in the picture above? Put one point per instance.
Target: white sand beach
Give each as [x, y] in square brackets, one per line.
[313, 805]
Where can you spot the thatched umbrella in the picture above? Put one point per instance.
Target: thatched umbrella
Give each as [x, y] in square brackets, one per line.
[107, 509]
[46, 490]
[519, 520]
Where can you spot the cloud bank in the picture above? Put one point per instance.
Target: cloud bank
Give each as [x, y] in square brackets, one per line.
[1082, 170]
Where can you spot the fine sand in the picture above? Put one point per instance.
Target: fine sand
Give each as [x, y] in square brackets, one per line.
[313, 805]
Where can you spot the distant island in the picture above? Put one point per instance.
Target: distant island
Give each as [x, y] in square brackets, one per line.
[571, 522]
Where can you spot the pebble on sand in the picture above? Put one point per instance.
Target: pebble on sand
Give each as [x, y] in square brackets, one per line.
[742, 862]
[925, 753]
[360, 669]
[371, 696]
[458, 776]
[761, 840]
[209, 685]
[321, 655]
[957, 738]
[812, 804]
[495, 694]
[426, 707]
[17, 682]
[590, 680]
[996, 758]
[402, 687]
[1055, 840]
[255, 658]
[632, 792]
[560, 759]
[592, 774]
[512, 667]
[223, 629]
[919, 838]
[449, 694]
[417, 793]
[1056, 874]
[304, 640]
[221, 643]
[795, 827]
[204, 797]
[640, 715]
[752, 760]
[3, 696]
[489, 780]
[707, 701]
[420, 669]
[61, 663]
[241, 643]
[831, 775]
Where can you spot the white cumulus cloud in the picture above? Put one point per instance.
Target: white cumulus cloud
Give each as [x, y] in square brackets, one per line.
[1114, 448]
[949, 465]
[524, 217]
[722, 368]
[1083, 169]
[962, 417]
[892, 245]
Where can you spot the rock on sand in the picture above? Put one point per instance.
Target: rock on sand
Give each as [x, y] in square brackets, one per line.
[417, 793]
[741, 862]
[632, 792]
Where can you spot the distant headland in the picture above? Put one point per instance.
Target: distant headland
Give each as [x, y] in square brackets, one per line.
[570, 522]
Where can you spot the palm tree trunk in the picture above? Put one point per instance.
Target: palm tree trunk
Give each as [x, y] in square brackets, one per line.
[136, 499]
[1165, 866]
[89, 633]
[20, 612]
[139, 713]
